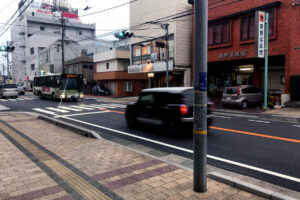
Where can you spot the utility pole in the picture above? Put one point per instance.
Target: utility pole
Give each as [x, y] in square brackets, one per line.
[200, 95]
[266, 60]
[166, 28]
[7, 60]
[63, 40]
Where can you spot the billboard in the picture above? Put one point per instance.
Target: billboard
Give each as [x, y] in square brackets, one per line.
[259, 34]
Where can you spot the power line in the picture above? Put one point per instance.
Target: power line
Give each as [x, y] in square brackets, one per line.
[109, 8]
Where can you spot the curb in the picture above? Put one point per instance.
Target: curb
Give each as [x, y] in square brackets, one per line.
[213, 175]
[248, 187]
[77, 129]
[259, 115]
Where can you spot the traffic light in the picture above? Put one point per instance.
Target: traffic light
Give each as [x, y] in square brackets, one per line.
[122, 35]
[7, 48]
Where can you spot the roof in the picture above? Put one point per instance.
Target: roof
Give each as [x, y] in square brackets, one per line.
[175, 90]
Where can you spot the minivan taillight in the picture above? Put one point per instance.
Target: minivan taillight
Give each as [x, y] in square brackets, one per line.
[184, 109]
[239, 91]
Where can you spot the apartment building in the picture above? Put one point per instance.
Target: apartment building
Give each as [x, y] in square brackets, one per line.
[231, 44]
[37, 28]
[112, 73]
[148, 49]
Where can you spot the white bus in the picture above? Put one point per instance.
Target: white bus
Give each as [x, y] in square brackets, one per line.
[59, 86]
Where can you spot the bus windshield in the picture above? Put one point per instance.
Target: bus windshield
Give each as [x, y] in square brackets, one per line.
[71, 84]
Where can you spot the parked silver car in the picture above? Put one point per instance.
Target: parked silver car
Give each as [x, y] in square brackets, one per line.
[8, 90]
[242, 96]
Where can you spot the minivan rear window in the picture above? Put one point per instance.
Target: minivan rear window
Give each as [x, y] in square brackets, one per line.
[10, 86]
[233, 90]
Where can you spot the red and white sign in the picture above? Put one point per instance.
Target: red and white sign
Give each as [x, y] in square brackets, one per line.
[259, 34]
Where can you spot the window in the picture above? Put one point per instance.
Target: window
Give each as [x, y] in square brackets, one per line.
[219, 33]
[42, 28]
[57, 48]
[128, 86]
[51, 68]
[40, 49]
[32, 51]
[32, 13]
[80, 32]
[107, 65]
[85, 66]
[32, 67]
[91, 67]
[248, 26]
[146, 98]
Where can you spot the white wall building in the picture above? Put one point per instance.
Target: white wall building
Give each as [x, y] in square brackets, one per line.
[36, 29]
[176, 13]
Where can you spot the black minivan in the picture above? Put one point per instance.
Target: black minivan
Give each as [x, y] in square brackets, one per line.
[171, 107]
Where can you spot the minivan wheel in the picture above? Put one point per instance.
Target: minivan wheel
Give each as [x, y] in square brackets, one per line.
[244, 104]
[131, 121]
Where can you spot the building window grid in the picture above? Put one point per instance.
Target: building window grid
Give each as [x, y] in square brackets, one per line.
[219, 33]
[248, 25]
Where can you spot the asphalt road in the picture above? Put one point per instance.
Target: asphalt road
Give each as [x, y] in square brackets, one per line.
[262, 149]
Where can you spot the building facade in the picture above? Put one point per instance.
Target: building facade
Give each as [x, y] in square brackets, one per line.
[37, 28]
[112, 73]
[231, 44]
[148, 49]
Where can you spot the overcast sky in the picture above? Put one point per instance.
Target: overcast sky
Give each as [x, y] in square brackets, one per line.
[107, 21]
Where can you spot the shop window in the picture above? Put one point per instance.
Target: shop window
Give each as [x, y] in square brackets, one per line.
[248, 26]
[128, 86]
[219, 33]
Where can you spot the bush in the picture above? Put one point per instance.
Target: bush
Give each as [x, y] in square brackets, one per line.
[295, 88]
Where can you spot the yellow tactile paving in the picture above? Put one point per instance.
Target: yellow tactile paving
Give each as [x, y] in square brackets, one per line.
[84, 188]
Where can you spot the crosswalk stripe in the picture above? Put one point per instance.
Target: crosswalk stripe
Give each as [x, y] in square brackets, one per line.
[44, 111]
[20, 99]
[82, 107]
[67, 108]
[12, 99]
[57, 109]
[4, 108]
[3, 100]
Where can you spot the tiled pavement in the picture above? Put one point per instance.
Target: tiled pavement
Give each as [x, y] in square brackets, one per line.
[41, 161]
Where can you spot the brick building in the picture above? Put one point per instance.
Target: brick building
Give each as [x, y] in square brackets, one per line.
[231, 53]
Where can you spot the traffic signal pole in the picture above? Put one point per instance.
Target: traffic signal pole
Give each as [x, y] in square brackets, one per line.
[63, 41]
[200, 95]
[7, 60]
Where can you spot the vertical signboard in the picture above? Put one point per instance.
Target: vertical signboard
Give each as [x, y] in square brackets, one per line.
[259, 34]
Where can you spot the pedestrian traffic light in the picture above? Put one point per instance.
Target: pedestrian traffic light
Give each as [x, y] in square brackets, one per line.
[122, 35]
[7, 48]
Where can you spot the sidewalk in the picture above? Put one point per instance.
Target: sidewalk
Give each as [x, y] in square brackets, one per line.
[39, 160]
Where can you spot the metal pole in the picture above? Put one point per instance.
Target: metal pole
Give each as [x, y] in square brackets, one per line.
[200, 95]
[7, 60]
[63, 41]
[167, 54]
[266, 60]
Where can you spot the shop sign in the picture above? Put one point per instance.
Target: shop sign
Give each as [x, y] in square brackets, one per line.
[259, 34]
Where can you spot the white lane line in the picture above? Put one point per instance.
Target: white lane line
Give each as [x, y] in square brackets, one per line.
[43, 111]
[82, 107]
[190, 151]
[12, 100]
[298, 126]
[57, 110]
[265, 122]
[3, 100]
[68, 108]
[219, 116]
[4, 108]
[79, 114]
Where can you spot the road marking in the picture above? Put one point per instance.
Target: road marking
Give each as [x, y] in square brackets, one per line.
[298, 126]
[219, 116]
[82, 107]
[20, 99]
[4, 108]
[67, 108]
[12, 100]
[57, 110]
[256, 134]
[115, 111]
[265, 122]
[78, 114]
[3, 100]
[191, 151]
[43, 111]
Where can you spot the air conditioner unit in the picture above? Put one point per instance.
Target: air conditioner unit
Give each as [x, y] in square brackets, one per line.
[153, 56]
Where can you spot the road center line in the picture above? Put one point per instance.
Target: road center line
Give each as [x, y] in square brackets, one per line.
[191, 151]
[252, 120]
